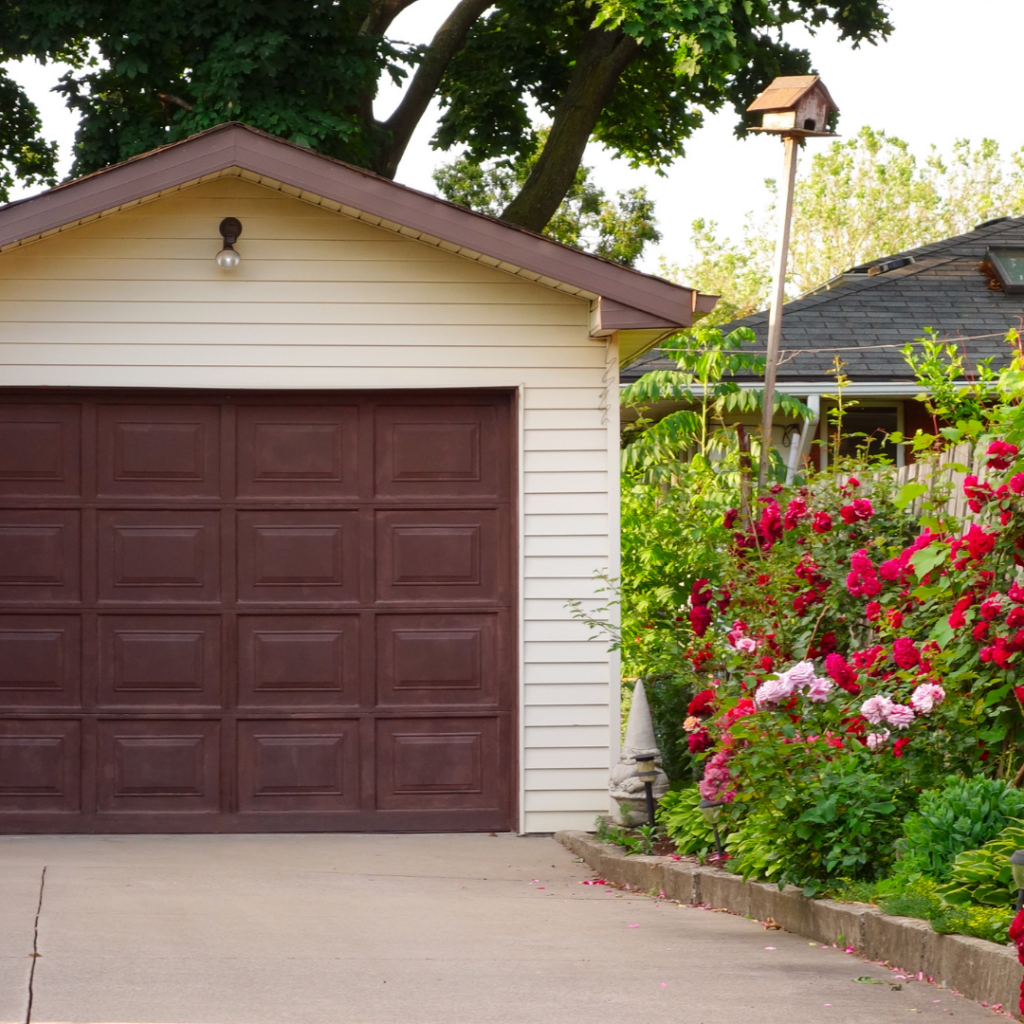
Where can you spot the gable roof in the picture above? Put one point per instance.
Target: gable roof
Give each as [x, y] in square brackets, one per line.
[629, 299]
[867, 313]
[788, 91]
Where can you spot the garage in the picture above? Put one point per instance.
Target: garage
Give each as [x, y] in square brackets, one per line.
[256, 613]
[289, 540]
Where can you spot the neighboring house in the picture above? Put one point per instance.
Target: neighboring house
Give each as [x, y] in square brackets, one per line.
[867, 314]
[288, 546]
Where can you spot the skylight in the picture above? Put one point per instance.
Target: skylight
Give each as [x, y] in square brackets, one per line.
[1009, 266]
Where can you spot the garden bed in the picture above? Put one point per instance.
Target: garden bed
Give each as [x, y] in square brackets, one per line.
[981, 970]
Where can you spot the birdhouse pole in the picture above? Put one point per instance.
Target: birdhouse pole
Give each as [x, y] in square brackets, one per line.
[795, 107]
[771, 360]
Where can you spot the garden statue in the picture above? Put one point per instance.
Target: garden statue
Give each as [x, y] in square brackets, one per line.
[624, 786]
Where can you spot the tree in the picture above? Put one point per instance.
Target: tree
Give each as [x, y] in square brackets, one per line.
[635, 75]
[586, 218]
[861, 199]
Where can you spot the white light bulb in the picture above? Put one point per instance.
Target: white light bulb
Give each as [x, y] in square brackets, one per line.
[228, 259]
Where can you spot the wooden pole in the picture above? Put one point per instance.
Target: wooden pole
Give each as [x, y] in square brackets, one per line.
[778, 298]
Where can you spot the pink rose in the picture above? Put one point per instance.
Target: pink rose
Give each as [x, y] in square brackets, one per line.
[877, 740]
[899, 716]
[819, 689]
[926, 696]
[772, 691]
[746, 644]
[801, 674]
[876, 709]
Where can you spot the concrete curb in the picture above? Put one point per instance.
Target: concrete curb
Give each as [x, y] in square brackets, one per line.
[981, 970]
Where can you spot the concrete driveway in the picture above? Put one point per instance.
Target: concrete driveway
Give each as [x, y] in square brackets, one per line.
[351, 929]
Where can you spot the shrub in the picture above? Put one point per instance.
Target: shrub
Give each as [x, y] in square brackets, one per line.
[984, 875]
[825, 822]
[962, 815]
[683, 822]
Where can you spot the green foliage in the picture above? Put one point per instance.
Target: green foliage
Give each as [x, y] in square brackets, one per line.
[963, 815]
[684, 824]
[669, 695]
[618, 230]
[144, 75]
[918, 898]
[693, 56]
[640, 840]
[863, 198]
[640, 74]
[984, 875]
[922, 898]
[810, 826]
[990, 923]
[848, 891]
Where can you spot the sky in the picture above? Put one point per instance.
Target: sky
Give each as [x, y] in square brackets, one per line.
[949, 70]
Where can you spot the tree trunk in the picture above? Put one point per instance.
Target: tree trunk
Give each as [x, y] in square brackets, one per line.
[602, 58]
[447, 41]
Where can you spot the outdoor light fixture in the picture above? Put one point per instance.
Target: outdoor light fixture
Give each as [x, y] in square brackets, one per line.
[647, 773]
[1017, 867]
[230, 229]
[712, 811]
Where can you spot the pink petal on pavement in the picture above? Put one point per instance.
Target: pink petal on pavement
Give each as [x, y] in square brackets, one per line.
[634, 926]
[769, 947]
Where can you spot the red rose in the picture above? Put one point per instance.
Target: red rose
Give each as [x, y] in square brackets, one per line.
[905, 653]
[822, 522]
[702, 703]
[700, 619]
[1001, 454]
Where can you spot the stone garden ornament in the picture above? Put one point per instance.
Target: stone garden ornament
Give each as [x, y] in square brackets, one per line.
[624, 786]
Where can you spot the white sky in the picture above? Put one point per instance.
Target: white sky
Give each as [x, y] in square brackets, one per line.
[950, 70]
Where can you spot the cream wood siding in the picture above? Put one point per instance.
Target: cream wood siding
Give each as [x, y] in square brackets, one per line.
[324, 300]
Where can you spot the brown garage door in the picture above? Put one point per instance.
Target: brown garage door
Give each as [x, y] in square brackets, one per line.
[256, 612]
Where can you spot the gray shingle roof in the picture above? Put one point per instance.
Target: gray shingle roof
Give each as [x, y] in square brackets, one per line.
[942, 288]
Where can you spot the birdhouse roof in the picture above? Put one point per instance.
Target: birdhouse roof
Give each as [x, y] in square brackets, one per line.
[785, 93]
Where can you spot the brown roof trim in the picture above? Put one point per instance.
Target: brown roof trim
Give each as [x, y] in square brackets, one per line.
[238, 145]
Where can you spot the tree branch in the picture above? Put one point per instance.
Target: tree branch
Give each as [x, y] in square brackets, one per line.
[602, 59]
[381, 14]
[168, 99]
[447, 41]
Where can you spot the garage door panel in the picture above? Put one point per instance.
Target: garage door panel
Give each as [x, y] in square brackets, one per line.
[40, 766]
[160, 661]
[426, 764]
[40, 450]
[440, 556]
[293, 452]
[440, 451]
[40, 661]
[159, 557]
[39, 556]
[300, 556]
[298, 766]
[438, 660]
[156, 451]
[260, 611]
[298, 661]
[159, 766]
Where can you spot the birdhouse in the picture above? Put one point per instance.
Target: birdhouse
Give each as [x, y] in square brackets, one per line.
[798, 106]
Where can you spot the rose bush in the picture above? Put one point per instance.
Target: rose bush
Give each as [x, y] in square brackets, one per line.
[860, 643]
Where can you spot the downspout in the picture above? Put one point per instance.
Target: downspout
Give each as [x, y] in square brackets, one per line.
[799, 450]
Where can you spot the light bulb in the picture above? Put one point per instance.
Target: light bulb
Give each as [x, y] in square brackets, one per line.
[228, 259]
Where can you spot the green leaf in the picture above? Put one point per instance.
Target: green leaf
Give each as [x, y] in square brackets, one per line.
[909, 493]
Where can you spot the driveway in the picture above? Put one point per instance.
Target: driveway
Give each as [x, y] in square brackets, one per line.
[360, 929]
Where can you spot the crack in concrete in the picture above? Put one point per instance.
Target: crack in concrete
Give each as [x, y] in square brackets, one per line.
[35, 948]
